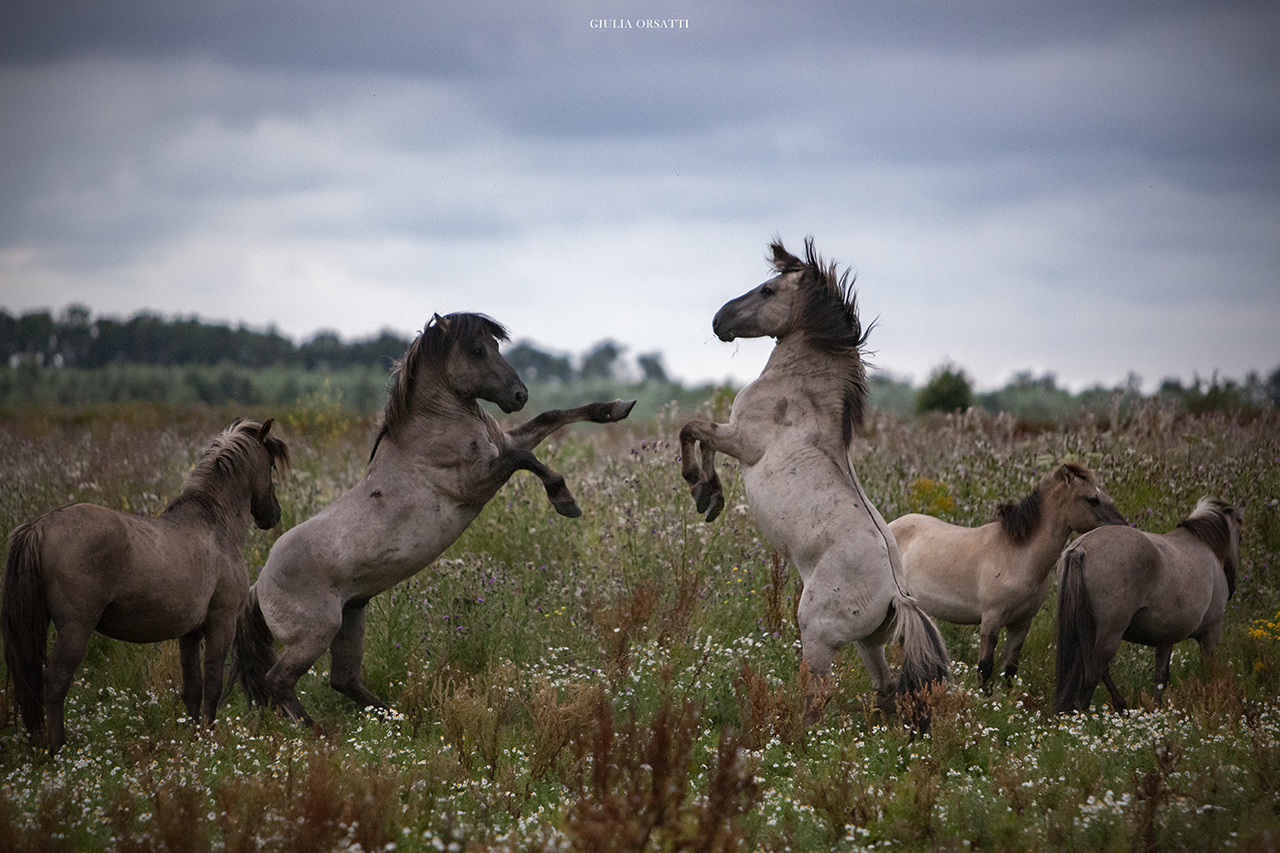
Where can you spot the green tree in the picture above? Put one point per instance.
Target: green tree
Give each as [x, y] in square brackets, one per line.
[948, 389]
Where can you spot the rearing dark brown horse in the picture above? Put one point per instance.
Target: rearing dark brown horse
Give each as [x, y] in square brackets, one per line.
[438, 460]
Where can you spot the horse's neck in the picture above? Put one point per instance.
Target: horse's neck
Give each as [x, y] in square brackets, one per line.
[221, 504]
[818, 375]
[443, 429]
[1050, 536]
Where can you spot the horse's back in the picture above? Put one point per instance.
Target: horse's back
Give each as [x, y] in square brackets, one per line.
[943, 564]
[135, 578]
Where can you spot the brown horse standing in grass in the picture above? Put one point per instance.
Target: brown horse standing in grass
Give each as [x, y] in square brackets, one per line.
[1118, 583]
[791, 429]
[437, 461]
[998, 575]
[142, 579]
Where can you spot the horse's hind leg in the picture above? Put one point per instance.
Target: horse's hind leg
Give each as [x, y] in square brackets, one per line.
[1164, 654]
[988, 636]
[1014, 637]
[347, 654]
[1117, 701]
[882, 680]
[217, 643]
[68, 651]
[192, 683]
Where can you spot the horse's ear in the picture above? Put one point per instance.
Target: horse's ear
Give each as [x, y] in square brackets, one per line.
[266, 428]
[782, 259]
[442, 323]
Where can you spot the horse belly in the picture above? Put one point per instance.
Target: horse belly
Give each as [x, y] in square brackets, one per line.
[360, 546]
[813, 517]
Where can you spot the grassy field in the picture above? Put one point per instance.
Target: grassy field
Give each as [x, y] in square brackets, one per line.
[630, 680]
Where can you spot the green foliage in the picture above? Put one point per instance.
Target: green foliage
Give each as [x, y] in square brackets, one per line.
[630, 680]
[948, 390]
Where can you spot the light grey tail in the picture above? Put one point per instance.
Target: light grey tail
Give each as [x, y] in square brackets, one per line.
[253, 652]
[925, 659]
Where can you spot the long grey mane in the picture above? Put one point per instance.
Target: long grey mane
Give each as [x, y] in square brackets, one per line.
[227, 458]
[829, 320]
[1019, 521]
[1208, 523]
[428, 352]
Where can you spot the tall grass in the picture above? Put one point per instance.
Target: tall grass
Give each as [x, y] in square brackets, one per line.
[631, 680]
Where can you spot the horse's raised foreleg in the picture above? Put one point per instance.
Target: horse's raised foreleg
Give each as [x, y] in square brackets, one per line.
[491, 476]
[699, 469]
[68, 651]
[347, 655]
[531, 433]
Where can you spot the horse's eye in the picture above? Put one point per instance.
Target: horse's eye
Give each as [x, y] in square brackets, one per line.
[766, 291]
[1093, 500]
[478, 352]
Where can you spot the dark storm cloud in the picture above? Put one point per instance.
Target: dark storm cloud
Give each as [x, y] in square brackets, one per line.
[984, 163]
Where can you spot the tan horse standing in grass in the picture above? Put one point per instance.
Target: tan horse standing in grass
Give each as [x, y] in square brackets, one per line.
[998, 575]
[437, 461]
[142, 579]
[791, 430]
[1118, 583]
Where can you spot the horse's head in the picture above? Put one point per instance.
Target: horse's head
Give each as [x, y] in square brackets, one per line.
[769, 309]
[270, 455]
[1085, 505]
[473, 367]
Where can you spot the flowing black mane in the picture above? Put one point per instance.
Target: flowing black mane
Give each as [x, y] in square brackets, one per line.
[428, 352]
[1208, 523]
[1019, 521]
[829, 320]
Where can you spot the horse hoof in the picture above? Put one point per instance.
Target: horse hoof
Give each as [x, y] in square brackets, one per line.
[717, 504]
[622, 408]
[569, 509]
[703, 495]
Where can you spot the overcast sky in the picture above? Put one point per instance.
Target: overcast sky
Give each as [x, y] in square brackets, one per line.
[1086, 188]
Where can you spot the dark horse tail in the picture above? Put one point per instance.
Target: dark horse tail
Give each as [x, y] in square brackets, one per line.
[1077, 633]
[252, 652]
[24, 621]
[925, 660]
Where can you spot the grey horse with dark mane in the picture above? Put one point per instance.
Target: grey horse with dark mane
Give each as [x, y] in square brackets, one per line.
[1119, 583]
[790, 429]
[180, 574]
[437, 461]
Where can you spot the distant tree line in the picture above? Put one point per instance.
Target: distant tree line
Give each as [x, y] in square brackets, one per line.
[1035, 398]
[76, 339]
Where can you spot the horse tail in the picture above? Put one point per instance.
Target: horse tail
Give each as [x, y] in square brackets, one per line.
[24, 621]
[1077, 632]
[252, 651]
[925, 660]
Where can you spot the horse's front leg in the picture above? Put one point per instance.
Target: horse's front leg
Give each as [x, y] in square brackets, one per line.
[699, 442]
[493, 474]
[530, 434]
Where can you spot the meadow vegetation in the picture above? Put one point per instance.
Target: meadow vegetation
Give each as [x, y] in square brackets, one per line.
[631, 680]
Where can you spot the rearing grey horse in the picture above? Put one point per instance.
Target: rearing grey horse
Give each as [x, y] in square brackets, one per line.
[791, 430]
[437, 461]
